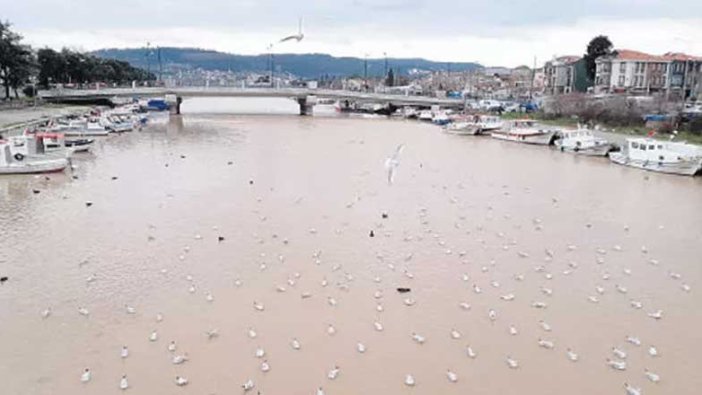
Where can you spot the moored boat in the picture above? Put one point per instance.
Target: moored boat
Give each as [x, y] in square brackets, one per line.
[474, 125]
[661, 156]
[584, 142]
[525, 131]
[19, 163]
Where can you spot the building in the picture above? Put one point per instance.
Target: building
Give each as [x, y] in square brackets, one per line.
[559, 75]
[684, 71]
[634, 72]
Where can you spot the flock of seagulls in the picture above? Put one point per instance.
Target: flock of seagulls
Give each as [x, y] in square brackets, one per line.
[468, 280]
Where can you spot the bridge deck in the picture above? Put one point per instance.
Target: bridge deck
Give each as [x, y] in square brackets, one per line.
[64, 94]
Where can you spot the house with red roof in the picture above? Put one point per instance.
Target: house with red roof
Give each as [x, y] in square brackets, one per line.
[635, 72]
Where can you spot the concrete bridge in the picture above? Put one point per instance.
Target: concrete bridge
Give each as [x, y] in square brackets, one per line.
[305, 97]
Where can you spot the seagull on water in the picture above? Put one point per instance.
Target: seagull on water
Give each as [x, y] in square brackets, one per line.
[130, 309]
[470, 352]
[265, 367]
[212, 333]
[652, 376]
[83, 311]
[123, 383]
[124, 353]
[632, 390]
[361, 348]
[331, 330]
[418, 338]
[179, 359]
[452, 377]
[393, 162]
[547, 344]
[619, 353]
[85, 377]
[181, 381]
[616, 365]
[658, 314]
[653, 351]
[512, 363]
[252, 333]
[572, 355]
[46, 313]
[545, 326]
[333, 373]
[260, 353]
[512, 330]
[172, 346]
[295, 344]
[508, 297]
[633, 340]
[378, 326]
[409, 380]
[153, 336]
[248, 385]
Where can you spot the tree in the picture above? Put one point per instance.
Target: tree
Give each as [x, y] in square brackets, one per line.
[390, 79]
[16, 60]
[598, 46]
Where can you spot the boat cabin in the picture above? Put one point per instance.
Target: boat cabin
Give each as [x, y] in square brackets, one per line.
[660, 151]
[577, 134]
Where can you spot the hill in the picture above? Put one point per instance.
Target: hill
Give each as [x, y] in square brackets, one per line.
[301, 65]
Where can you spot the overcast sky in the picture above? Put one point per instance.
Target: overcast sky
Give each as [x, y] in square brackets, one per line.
[496, 32]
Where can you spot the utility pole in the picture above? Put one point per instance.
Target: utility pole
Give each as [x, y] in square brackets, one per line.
[160, 65]
[386, 63]
[365, 72]
[533, 76]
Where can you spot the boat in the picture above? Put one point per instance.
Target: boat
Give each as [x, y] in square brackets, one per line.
[14, 162]
[425, 115]
[661, 156]
[79, 145]
[474, 125]
[79, 127]
[583, 142]
[525, 131]
[441, 118]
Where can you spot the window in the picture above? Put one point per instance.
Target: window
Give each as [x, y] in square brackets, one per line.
[622, 67]
[634, 145]
[651, 147]
[660, 146]
[642, 147]
[621, 80]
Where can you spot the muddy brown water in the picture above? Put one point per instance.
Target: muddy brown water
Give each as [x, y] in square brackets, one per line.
[297, 203]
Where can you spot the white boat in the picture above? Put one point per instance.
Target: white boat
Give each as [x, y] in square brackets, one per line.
[474, 125]
[584, 142]
[19, 163]
[525, 131]
[661, 156]
[79, 127]
[425, 115]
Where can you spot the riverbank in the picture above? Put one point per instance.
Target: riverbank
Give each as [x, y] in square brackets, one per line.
[13, 118]
[620, 131]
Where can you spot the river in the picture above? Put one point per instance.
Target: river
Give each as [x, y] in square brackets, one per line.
[253, 205]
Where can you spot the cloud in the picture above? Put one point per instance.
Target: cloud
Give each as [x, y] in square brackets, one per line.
[496, 33]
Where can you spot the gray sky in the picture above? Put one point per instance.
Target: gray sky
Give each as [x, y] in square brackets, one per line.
[493, 32]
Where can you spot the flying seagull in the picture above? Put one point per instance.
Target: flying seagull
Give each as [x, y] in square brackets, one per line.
[393, 162]
[298, 37]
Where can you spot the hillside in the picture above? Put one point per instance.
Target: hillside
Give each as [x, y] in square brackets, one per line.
[302, 65]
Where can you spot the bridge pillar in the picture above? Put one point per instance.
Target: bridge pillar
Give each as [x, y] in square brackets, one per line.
[306, 104]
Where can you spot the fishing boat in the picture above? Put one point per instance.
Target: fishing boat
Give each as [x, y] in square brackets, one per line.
[12, 161]
[474, 125]
[79, 127]
[425, 115]
[525, 131]
[661, 156]
[583, 142]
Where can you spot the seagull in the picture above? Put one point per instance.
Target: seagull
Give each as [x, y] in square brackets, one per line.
[297, 37]
[545, 326]
[632, 390]
[512, 330]
[593, 299]
[546, 291]
[571, 355]
[452, 377]
[619, 353]
[539, 305]
[260, 353]
[621, 289]
[464, 306]
[333, 373]
[179, 359]
[361, 348]
[123, 383]
[181, 381]
[248, 385]
[636, 304]
[172, 346]
[130, 309]
[83, 311]
[46, 313]
[617, 365]
[85, 377]
[418, 338]
[508, 297]
[409, 301]
[159, 317]
[320, 391]
[295, 344]
[154, 336]
[512, 363]
[258, 306]
[658, 314]
[125, 352]
[470, 352]
[652, 376]
[653, 351]
[331, 330]
[378, 326]
[455, 334]
[633, 340]
[209, 297]
[409, 380]
[393, 162]
[477, 289]
[252, 333]
[379, 307]
[265, 367]
[214, 332]
[492, 314]
[332, 301]
[547, 344]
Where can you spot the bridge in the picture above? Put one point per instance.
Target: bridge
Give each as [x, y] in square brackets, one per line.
[305, 97]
